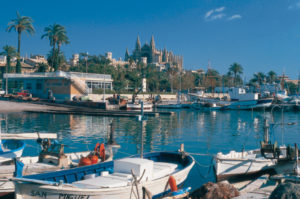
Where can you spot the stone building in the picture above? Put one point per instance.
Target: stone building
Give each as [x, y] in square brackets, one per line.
[160, 58]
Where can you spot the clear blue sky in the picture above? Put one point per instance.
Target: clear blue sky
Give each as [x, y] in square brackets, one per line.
[261, 35]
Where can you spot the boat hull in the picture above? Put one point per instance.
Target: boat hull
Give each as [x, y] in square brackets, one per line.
[12, 149]
[32, 166]
[234, 166]
[138, 106]
[232, 170]
[24, 190]
[251, 104]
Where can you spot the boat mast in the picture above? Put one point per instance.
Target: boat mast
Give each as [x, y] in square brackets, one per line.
[266, 131]
[141, 118]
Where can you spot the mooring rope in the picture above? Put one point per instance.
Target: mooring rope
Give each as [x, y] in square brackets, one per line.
[208, 171]
[200, 154]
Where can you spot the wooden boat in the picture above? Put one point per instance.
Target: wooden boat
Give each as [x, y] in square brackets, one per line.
[10, 149]
[51, 158]
[121, 178]
[250, 104]
[137, 106]
[239, 165]
[248, 164]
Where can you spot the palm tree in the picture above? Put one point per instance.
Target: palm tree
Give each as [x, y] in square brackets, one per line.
[9, 52]
[272, 77]
[258, 78]
[54, 34]
[236, 69]
[20, 24]
[62, 39]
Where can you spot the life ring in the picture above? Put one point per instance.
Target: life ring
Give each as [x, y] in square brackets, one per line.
[172, 183]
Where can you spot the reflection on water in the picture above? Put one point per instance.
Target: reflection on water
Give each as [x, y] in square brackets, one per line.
[201, 132]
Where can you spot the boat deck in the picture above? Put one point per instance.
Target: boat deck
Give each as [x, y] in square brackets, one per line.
[106, 180]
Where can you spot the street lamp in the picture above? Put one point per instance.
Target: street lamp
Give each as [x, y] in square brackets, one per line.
[86, 62]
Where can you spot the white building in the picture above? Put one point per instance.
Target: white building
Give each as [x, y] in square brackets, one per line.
[74, 60]
[115, 62]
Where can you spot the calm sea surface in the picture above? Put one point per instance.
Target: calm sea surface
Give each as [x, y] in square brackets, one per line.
[203, 133]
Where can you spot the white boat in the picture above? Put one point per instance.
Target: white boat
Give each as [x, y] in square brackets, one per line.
[121, 178]
[242, 100]
[10, 149]
[236, 165]
[248, 164]
[137, 106]
[48, 160]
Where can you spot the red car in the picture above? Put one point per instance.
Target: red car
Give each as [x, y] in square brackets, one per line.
[24, 93]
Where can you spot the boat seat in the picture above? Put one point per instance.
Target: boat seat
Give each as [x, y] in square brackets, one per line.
[108, 181]
[161, 169]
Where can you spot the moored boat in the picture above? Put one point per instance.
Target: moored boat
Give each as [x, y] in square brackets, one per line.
[248, 164]
[138, 106]
[10, 149]
[51, 158]
[114, 179]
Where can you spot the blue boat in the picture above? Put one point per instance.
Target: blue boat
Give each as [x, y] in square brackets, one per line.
[122, 178]
[10, 149]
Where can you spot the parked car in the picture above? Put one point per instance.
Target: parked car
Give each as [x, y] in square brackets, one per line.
[24, 93]
[2, 92]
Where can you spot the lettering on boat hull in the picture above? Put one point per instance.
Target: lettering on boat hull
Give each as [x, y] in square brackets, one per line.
[73, 196]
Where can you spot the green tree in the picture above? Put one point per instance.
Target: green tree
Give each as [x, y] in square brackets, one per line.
[42, 68]
[258, 79]
[271, 77]
[292, 88]
[9, 52]
[55, 33]
[237, 70]
[20, 24]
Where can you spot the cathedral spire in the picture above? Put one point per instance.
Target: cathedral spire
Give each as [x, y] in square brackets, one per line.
[138, 44]
[152, 43]
[127, 55]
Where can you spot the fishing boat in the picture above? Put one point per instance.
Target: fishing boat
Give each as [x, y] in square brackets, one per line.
[137, 106]
[51, 158]
[114, 179]
[248, 164]
[242, 100]
[122, 178]
[10, 149]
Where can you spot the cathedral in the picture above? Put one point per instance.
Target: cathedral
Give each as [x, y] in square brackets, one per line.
[149, 54]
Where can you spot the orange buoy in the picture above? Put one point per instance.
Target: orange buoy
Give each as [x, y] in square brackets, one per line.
[172, 183]
[94, 159]
[102, 152]
[85, 161]
[97, 147]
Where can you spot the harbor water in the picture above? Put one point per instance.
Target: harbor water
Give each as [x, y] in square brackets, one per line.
[202, 133]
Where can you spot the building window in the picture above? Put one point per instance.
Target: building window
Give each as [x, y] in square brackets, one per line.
[38, 86]
[28, 86]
